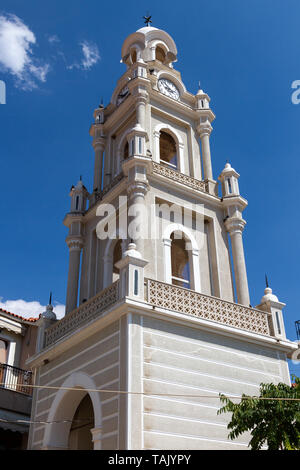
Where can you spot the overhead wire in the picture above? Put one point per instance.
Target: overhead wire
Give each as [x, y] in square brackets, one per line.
[126, 392]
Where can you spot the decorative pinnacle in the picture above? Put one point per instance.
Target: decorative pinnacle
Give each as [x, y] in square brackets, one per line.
[267, 283]
[147, 19]
[50, 298]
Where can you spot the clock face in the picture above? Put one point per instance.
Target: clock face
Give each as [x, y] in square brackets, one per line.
[168, 88]
[122, 95]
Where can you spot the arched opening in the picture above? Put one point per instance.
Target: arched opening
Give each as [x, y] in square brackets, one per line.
[180, 263]
[133, 56]
[117, 255]
[80, 436]
[167, 150]
[160, 54]
[126, 151]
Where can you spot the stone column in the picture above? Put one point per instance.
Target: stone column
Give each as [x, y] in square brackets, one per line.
[96, 438]
[75, 245]
[195, 269]
[99, 146]
[137, 214]
[140, 106]
[235, 227]
[204, 133]
[167, 260]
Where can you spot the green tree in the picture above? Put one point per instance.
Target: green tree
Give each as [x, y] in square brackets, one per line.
[270, 421]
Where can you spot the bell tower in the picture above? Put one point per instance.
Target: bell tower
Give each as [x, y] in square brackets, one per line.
[152, 147]
[158, 319]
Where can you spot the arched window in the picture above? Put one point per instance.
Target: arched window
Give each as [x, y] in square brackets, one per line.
[160, 54]
[117, 255]
[167, 150]
[180, 264]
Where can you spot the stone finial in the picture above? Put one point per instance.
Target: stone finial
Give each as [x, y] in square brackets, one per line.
[49, 314]
[268, 296]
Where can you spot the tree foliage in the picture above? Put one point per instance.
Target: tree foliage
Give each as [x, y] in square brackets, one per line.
[274, 423]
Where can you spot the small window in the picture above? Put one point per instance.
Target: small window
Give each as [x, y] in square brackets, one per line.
[140, 146]
[77, 202]
[278, 323]
[168, 150]
[131, 147]
[229, 186]
[136, 282]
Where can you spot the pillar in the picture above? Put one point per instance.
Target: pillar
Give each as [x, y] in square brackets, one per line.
[204, 133]
[235, 227]
[96, 438]
[137, 214]
[75, 245]
[99, 146]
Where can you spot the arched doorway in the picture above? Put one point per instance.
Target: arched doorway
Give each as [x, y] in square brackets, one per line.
[80, 436]
[71, 406]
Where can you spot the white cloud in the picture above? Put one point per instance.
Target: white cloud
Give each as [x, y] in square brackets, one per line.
[29, 309]
[53, 39]
[16, 56]
[90, 54]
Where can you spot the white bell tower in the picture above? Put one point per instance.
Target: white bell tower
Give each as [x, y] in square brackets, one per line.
[158, 318]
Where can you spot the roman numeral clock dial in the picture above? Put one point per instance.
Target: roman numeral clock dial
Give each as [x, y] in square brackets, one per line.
[168, 88]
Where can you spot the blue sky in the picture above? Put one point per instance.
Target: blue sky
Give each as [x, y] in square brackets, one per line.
[246, 55]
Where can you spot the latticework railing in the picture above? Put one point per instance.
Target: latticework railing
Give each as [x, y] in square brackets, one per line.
[86, 312]
[16, 379]
[99, 195]
[175, 175]
[203, 306]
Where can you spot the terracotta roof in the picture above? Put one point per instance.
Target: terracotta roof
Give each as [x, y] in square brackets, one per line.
[19, 317]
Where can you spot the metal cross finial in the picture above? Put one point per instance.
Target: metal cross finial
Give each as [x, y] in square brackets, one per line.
[50, 298]
[147, 19]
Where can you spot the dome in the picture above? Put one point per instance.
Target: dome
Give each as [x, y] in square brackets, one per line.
[269, 296]
[144, 44]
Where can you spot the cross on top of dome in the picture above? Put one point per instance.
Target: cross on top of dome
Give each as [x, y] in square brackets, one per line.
[147, 19]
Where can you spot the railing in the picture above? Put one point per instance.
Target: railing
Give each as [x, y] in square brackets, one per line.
[99, 195]
[175, 175]
[86, 312]
[203, 306]
[16, 379]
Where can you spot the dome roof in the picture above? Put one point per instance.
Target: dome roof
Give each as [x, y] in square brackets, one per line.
[146, 29]
[145, 39]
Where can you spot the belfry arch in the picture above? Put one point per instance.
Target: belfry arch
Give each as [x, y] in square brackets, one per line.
[193, 254]
[169, 130]
[64, 407]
